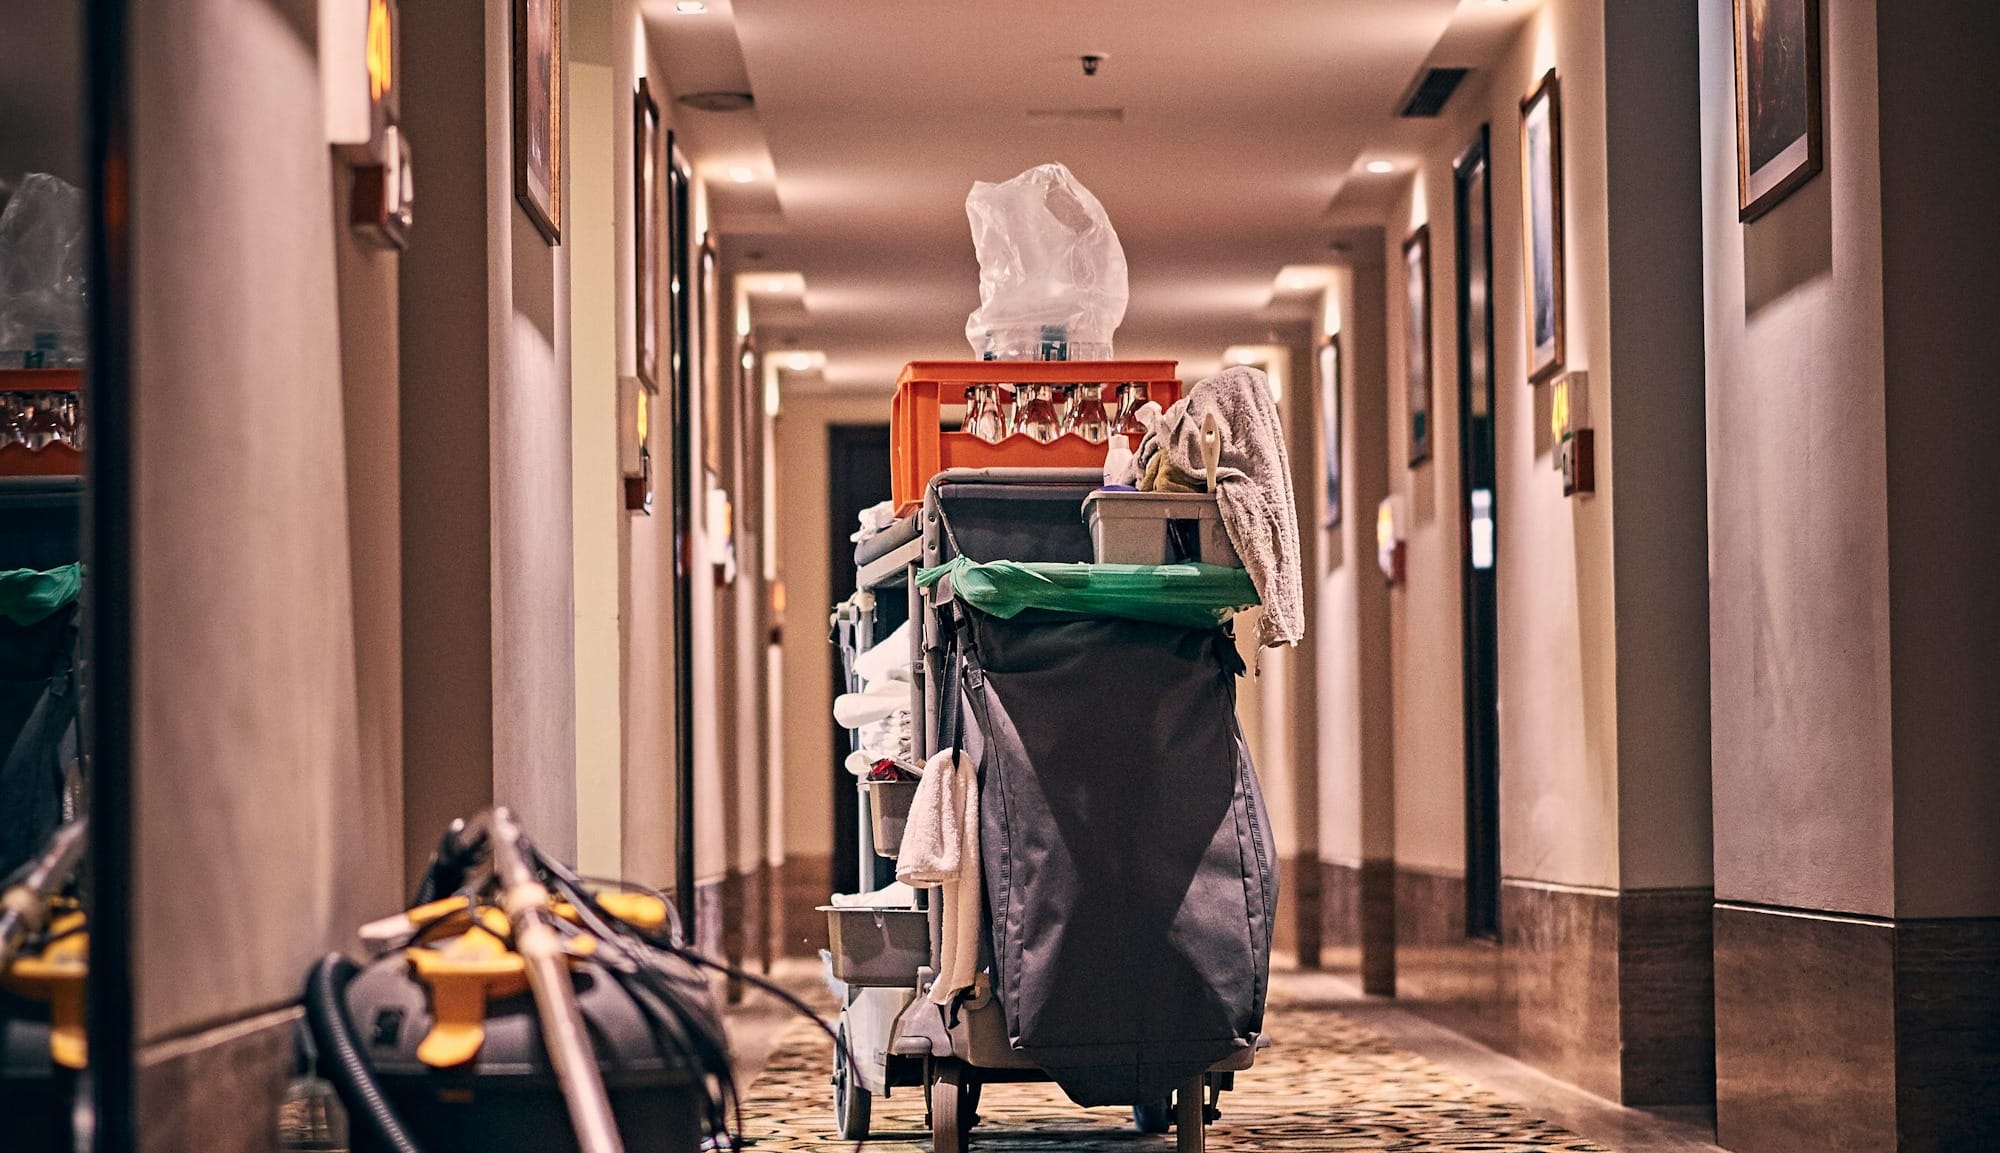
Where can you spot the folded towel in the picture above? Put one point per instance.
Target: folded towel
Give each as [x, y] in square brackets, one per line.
[1253, 486]
[855, 710]
[888, 660]
[941, 847]
[897, 896]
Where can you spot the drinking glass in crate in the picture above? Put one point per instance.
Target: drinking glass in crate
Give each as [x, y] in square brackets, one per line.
[1087, 418]
[1036, 415]
[983, 418]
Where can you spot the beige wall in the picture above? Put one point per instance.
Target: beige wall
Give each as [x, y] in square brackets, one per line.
[1798, 521]
[1940, 237]
[261, 823]
[534, 707]
[711, 723]
[596, 491]
[1853, 491]
[369, 849]
[1350, 632]
[803, 564]
[648, 836]
[1602, 648]
[1655, 418]
[489, 633]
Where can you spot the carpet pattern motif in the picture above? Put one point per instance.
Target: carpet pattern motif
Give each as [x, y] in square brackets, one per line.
[1326, 1084]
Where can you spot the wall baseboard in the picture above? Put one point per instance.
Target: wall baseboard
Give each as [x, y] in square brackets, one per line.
[1611, 991]
[1838, 1032]
[1358, 922]
[217, 1090]
[804, 883]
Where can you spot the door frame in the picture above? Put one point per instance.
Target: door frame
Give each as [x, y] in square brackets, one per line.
[1472, 179]
[842, 439]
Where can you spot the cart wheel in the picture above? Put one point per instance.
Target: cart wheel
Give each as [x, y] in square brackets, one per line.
[1153, 1116]
[851, 1103]
[1190, 1115]
[951, 1108]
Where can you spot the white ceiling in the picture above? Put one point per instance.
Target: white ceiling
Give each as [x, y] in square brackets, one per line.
[1242, 122]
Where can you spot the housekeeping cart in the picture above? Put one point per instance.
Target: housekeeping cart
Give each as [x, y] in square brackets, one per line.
[1129, 882]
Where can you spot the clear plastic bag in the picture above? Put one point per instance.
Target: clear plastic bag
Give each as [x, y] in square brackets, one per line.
[1052, 279]
[42, 257]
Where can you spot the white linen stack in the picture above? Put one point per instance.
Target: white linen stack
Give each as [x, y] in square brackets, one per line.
[880, 712]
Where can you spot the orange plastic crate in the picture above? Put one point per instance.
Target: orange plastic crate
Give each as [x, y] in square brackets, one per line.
[919, 448]
[56, 459]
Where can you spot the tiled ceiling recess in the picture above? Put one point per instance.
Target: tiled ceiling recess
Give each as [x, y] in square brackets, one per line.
[1221, 147]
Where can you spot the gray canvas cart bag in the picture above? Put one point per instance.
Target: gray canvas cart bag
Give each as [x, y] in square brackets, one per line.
[1127, 858]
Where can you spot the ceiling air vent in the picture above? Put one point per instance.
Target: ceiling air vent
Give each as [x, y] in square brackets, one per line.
[718, 101]
[1076, 115]
[1431, 92]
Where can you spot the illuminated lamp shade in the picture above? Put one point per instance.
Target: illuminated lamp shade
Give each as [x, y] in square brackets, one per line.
[1389, 536]
[635, 456]
[1569, 426]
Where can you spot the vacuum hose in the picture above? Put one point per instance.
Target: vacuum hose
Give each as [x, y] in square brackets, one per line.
[341, 1058]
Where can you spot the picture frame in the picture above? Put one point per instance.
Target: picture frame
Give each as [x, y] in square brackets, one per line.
[646, 220]
[538, 114]
[1542, 227]
[1779, 132]
[1417, 341]
[1328, 363]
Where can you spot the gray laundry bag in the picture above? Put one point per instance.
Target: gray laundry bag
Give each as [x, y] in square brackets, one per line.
[1127, 857]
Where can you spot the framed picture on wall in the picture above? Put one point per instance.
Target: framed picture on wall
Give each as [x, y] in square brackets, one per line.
[1542, 217]
[538, 113]
[1778, 136]
[646, 233]
[1417, 341]
[1329, 421]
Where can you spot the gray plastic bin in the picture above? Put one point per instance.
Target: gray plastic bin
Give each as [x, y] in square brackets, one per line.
[1158, 528]
[877, 948]
[888, 812]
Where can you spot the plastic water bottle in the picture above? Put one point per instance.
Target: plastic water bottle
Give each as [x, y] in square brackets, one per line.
[1118, 460]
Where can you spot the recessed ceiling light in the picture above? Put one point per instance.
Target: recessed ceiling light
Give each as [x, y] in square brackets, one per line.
[691, 7]
[1381, 167]
[801, 361]
[742, 175]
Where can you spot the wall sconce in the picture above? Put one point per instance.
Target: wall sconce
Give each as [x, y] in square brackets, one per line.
[1569, 426]
[720, 521]
[381, 209]
[1391, 533]
[635, 454]
[361, 108]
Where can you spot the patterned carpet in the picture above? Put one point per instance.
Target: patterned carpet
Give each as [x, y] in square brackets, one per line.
[1327, 1084]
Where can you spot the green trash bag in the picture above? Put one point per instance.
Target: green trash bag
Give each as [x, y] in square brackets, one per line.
[1183, 595]
[28, 596]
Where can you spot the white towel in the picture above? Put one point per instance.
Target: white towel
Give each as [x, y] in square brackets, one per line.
[1253, 487]
[857, 710]
[941, 847]
[887, 661]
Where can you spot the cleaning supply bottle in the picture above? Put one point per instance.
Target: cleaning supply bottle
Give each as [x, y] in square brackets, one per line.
[1118, 461]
